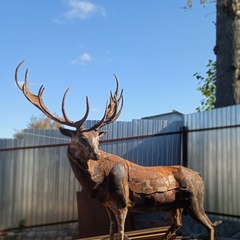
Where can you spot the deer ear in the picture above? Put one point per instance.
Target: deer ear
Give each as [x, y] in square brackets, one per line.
[102, 133]
[66, 132]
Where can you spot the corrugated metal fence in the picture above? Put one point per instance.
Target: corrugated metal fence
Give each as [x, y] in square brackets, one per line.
[214, 150]
[37, 183]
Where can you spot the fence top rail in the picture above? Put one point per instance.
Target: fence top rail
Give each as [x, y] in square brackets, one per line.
[101, 141]
[213, 128]
[181, 131]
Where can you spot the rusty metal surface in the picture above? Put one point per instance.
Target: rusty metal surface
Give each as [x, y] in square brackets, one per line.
[112, 180]
[149, 180]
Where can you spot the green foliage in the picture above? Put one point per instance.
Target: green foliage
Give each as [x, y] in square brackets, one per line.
[18, 135]
[207, 86]
[189, 2]
[21, 225]
[14, 235]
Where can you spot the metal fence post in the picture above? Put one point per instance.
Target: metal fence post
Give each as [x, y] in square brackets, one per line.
[184, 149]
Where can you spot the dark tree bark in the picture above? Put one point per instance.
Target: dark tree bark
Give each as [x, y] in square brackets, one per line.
[227, 50]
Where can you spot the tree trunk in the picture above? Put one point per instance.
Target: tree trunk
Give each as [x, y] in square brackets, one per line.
[227, 51]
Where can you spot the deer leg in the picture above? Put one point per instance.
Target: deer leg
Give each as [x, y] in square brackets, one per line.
[197, 212]
[120, 216]
[112, 223]
[176, 215]
[118, 190]
[204, 220]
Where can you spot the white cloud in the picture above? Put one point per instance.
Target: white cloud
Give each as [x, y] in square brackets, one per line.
[79, 9]
[84, 58]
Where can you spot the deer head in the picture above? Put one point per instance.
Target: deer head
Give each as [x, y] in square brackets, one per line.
[84, 142]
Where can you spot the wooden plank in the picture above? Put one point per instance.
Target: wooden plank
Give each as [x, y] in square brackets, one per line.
[144, 234]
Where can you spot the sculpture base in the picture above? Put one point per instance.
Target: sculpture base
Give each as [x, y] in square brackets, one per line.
[145, 234]
[93, 219]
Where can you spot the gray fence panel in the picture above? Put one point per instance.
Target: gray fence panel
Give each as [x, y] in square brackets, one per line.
[38, 185]
[215, 154]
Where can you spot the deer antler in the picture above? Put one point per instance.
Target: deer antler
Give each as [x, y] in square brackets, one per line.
[111, 112]
[37, 100]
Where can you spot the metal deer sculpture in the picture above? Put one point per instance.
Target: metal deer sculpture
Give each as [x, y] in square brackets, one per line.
[119, 184]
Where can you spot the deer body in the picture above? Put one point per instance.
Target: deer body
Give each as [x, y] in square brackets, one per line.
[119, 184]
[113, 182]
[110, 177]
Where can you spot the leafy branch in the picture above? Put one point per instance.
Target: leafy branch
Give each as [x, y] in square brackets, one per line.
[207, 86]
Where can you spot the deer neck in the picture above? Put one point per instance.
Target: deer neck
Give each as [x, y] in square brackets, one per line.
[88, 172]
[77, 154]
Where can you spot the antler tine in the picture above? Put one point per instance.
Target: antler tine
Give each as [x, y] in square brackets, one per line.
[111, 111]
[65, 120]
[112, 114]
[25, 89]
[16, 75]
[37, 100]
[79, 123]
[116, 91]
[45, 110]
[63, 106]
[101, 123]
[116, 115]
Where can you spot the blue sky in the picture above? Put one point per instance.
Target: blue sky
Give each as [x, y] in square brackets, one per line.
[154, 47]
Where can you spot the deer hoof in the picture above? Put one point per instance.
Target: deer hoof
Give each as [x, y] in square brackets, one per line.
[217, 223]
[117, 238]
